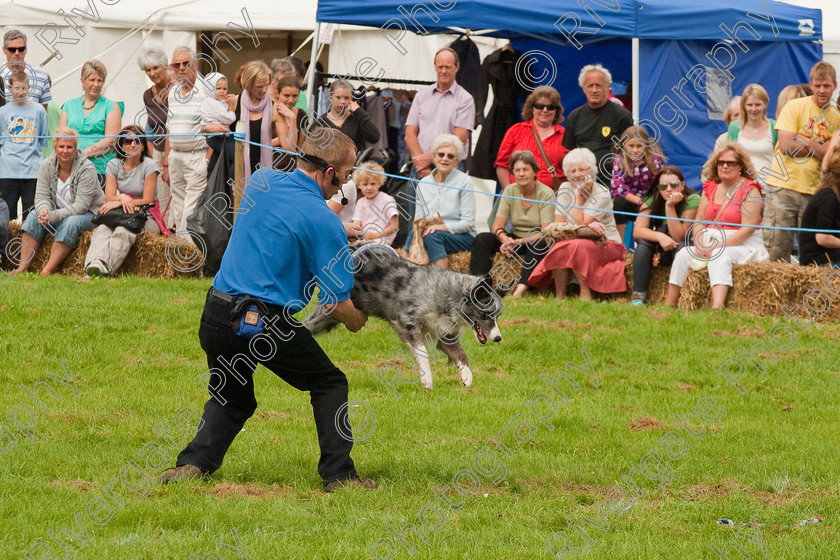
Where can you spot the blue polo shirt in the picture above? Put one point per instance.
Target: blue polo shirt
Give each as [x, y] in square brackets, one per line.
[285, 241]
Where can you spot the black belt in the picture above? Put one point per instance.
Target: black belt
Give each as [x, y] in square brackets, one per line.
[223, 296]
[241, 302]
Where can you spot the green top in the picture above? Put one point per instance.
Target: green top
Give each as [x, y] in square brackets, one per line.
[53, 116]
[540, 211]
[735, 129]
[692, 202]
[93, 124]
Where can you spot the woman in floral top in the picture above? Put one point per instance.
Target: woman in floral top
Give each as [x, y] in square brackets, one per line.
[638, 159]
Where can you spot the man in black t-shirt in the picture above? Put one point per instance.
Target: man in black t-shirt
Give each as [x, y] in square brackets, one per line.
[599, 123]
[822, 212]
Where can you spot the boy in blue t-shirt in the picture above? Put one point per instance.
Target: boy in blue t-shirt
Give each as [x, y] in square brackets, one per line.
[21, 121]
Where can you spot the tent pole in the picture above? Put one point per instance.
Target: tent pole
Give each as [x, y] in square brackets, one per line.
[313, 73]
[636, 84]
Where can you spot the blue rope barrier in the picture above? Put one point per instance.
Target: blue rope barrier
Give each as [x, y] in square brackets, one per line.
[240, 137]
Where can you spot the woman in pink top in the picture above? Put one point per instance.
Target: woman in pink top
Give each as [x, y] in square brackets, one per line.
[729, 197]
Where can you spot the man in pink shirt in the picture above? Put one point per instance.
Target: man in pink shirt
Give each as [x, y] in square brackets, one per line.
[442, 108]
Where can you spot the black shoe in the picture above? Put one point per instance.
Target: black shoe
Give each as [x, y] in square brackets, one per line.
[352, 480]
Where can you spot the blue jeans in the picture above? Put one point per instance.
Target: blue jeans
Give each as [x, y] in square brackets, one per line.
[67, 231]
[441, 243]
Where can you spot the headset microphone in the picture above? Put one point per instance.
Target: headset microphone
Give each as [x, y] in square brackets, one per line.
[344, 200]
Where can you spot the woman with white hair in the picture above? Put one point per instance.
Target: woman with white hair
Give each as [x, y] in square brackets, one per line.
[446, 193]
[155, 64]
[96, 118]
[597, 266]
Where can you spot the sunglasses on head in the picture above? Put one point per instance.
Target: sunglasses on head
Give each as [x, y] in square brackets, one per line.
[444, 155]
[541, 106]
[16, 49]
[672, 184]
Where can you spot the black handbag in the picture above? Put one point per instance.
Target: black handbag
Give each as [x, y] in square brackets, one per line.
[118, 217]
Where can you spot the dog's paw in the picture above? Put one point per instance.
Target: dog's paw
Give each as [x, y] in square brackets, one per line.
[466, 376]
[426, 382]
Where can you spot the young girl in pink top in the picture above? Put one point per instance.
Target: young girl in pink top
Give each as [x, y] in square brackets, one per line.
[376, 213]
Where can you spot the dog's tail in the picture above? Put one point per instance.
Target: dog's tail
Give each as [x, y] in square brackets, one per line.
[320, 321]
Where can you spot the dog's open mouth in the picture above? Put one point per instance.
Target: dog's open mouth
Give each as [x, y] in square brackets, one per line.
[482, 338]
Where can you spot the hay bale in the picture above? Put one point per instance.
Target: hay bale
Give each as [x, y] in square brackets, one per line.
[762, 289]
[460, 262]
[151, 255]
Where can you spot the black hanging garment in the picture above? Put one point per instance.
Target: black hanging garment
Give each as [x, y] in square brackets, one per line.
[469, 73]
[212, 220]
[499, 72]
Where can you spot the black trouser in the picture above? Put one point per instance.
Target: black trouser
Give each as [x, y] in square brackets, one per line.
[643, 262]
[298, 360]
[13, 190]
[621, 204]
[486, 245]
[4, 226]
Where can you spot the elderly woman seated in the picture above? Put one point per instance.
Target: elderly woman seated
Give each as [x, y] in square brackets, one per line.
[729, 197]
[66, 195]
[529, 205]
[597, 266]
[446, 193]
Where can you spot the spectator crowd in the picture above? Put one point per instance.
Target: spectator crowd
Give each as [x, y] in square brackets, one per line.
[593, 173]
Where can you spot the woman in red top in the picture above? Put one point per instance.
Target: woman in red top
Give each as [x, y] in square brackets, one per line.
[542, 113]
[729, 197]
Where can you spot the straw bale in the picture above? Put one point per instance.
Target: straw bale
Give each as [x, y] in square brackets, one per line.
[762, 289]
[151, 255]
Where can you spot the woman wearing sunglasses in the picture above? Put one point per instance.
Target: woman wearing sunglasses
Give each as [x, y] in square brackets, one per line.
[540, 134]
[97, 118]
[131, 181]
[730, 196]
[448, 193]
[659, 239]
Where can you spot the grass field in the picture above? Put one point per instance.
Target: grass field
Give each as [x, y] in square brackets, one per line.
[607, 470]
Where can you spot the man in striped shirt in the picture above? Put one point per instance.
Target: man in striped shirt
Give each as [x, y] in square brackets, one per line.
[14, 47]
[184, 163]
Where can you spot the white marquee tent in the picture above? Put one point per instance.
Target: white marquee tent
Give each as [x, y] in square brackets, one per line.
[116, 33]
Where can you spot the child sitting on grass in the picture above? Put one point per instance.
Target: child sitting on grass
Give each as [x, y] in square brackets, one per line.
[376, 213]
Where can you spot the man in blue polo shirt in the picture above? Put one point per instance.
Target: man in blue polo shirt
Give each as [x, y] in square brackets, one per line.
[285, 241]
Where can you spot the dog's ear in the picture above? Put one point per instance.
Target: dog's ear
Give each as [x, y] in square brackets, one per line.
[501, 290]
[487, 282]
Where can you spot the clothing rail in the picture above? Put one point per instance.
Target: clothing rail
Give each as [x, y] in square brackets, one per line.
[372, 80]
